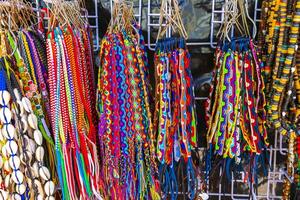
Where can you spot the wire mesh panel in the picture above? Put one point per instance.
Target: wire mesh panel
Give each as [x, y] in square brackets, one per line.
[217, 17]
[93, 18]
[94, 24]
[269, 187]
[153, 23]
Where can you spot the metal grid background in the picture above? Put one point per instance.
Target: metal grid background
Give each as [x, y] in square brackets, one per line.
[270, 187]
[93, 19]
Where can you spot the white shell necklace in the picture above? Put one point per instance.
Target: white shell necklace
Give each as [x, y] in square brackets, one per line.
[9, 132]
[39, 169]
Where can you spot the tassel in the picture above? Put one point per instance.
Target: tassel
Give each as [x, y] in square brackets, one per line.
[173, 183]
[52, 162]
[164, 180]
[60, 173]
[84, 174]
[154, 195]
[191, 177]
[208, 164]
[228, 168]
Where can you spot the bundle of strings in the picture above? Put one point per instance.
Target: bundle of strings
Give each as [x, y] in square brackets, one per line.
[25, 173]
[278, 43]
[235, 110]
[175, 114]
[72, 100]
[127, 152]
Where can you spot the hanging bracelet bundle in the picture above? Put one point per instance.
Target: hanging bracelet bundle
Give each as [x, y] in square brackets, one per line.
[126, 137]
[175, 113]
[236, 105]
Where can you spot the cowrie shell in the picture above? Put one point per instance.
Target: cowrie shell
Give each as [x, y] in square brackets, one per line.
[8, 131]
[4, 151]
[39, 186]
[4, 194]
[11, 147]
[1, 137]
[25, 124]
[6, 166]
[17, 176]
[4, 97]
[27, 104]
[21, 108]
[17, 94]
[50, 198]
[49, 188]
[39, 154]
[7, 181]
[44, 173]
[25, 157]
[14, 162]
[204, 196]
[5, 115]
[31, 146]
[32, 121]
[1, 164]
[29, 183]
[16, 197]
[21, 189]
[40, 197]
[35, 169]
[38, 137]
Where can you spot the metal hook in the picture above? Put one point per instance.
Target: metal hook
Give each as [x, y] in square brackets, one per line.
[252, 21]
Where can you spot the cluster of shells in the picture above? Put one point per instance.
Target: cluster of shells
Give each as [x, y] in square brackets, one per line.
[22, 169]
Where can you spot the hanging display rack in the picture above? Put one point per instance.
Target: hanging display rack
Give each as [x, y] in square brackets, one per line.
[276, 174]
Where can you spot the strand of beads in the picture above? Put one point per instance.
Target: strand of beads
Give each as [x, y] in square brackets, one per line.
[5, 118]
[14, 180]
[26, 152]
[4, 163]
[281, 107]
[40, 170]
[290, 164]
[9, 132]
[4, 166]
[30, 127]
[297, 163]
[283, 103]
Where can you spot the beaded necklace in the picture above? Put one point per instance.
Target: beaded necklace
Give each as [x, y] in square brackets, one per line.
[30, 89]
[39, 68]
[283, 98]
[283, 68]
[34, 181]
